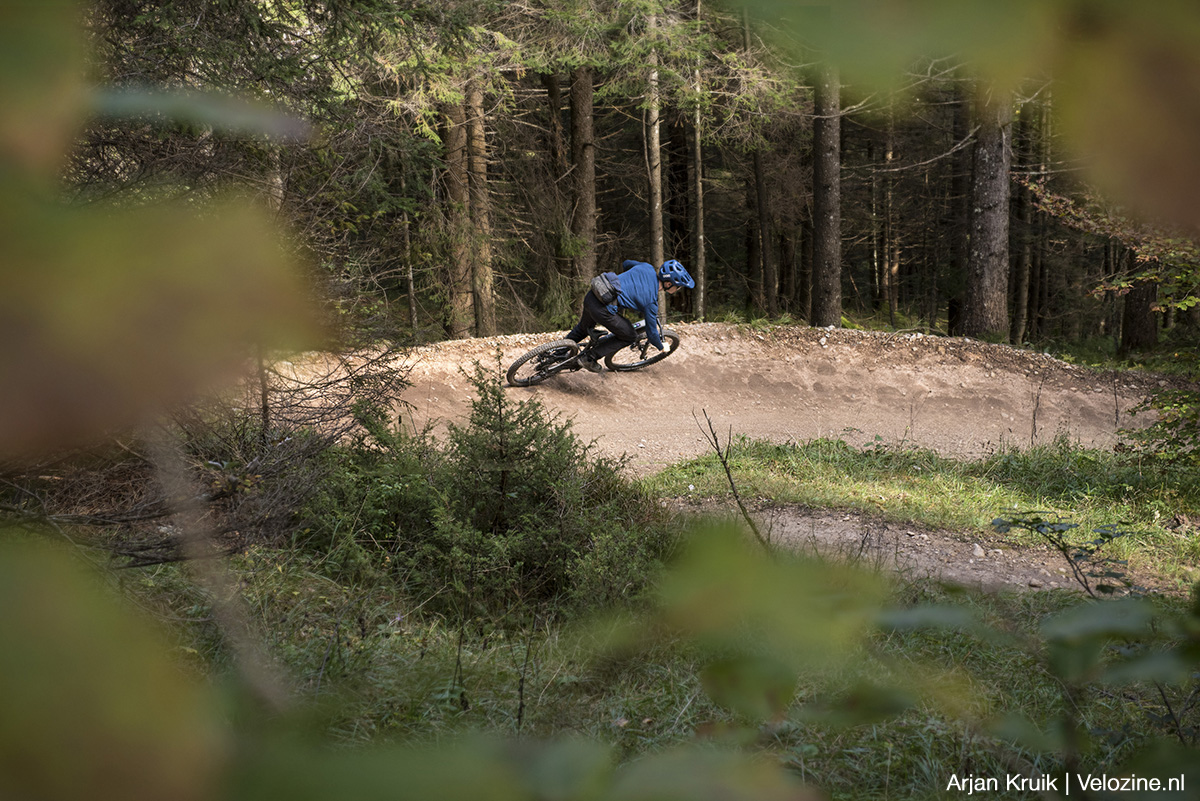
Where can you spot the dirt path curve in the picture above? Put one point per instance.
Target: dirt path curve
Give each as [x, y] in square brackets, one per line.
[959, 397]
[956, 396]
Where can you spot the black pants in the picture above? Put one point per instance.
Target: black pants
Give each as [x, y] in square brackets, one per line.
[596, 313]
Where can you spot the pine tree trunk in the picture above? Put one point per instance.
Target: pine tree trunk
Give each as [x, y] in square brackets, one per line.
[770, 280]
[754, 259]
[1022, 266]
[827, 213]
[459, 308]
[787, 270]
[555, 139]
[699, 265]
[654, 157]
[985, 310]
[960, 205]
[482, 278]
[1139, 323]
[406, 254]
[805, 271]
[654, 165]
[583, 157]
[891, 243]
[877, 243]
[678, 191]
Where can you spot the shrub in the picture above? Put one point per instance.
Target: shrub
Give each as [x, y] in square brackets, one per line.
[514, 511]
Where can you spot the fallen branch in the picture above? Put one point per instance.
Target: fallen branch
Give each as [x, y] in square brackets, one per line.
[714, 441]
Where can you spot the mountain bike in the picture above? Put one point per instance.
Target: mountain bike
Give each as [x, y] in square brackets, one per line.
[563, 355]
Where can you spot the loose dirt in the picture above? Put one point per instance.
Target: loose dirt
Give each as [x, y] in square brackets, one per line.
[959, 397]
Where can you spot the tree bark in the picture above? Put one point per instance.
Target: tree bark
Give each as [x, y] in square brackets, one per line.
[654, 155]
[985, 312]
[583, 158]
[482, 278]
[960, 214]
[770, 279]
[1139, 322]
[677, 191]
[827, 212]
[406, 254]
[754, 274]
[555, 138]
[654, 162]
[699, 265]
[805, 270]
[459, 305]
[1021, 266]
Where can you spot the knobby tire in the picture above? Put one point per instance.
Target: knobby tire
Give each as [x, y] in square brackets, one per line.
[642, 353]
[536, 366]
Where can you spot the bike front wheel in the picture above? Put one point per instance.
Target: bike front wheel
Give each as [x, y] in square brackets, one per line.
[641, 353]
[542, 362]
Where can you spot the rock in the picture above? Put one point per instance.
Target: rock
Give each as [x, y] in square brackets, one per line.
[977, 552]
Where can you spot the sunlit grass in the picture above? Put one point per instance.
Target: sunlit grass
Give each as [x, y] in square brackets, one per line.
[1153, 502]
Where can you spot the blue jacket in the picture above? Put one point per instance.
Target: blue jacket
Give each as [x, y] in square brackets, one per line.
[637, 289]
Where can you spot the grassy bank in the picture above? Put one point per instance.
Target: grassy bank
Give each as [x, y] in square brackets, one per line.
[1156, 504]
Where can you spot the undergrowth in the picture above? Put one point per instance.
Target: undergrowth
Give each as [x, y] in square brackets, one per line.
[513, 513]
[941, 683]
[505, 583]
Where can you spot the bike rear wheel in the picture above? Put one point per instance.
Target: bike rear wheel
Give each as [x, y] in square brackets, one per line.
[542, 362]
[642, 353]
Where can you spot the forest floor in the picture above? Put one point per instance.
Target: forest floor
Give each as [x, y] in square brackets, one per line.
[961, 398]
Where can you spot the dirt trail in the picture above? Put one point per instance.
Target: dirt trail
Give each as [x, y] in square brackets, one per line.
[958, 397]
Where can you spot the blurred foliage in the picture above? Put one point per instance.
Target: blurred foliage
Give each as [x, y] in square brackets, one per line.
[92, 703]
[1125, 78]
[107, 316]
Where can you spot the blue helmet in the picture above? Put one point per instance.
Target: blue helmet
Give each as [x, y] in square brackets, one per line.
[674, 273]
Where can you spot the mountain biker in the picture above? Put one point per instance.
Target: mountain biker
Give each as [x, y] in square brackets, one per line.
[636, 288]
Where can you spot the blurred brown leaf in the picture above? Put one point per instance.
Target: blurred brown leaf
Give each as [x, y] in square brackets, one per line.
[91, 706]
[41, 81]
[107, 317]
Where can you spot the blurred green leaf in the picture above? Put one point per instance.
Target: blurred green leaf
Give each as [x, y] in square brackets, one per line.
[1127, 617]
[811, 613]
[1164, 667]
[697, 775]
[232, 115]
[864, 703]
[296, 771]
[758, 687]
[569, 768]
[929, 616]
[1075, 661]
[1021, 730]
[1164, 759]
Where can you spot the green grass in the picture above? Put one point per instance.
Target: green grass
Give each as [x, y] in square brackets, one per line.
[368, 668]
[1143, 496]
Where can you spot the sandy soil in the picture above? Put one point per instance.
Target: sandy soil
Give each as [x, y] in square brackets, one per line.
[956, 396]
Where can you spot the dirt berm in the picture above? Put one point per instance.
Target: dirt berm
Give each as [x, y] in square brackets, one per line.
[956, 396]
